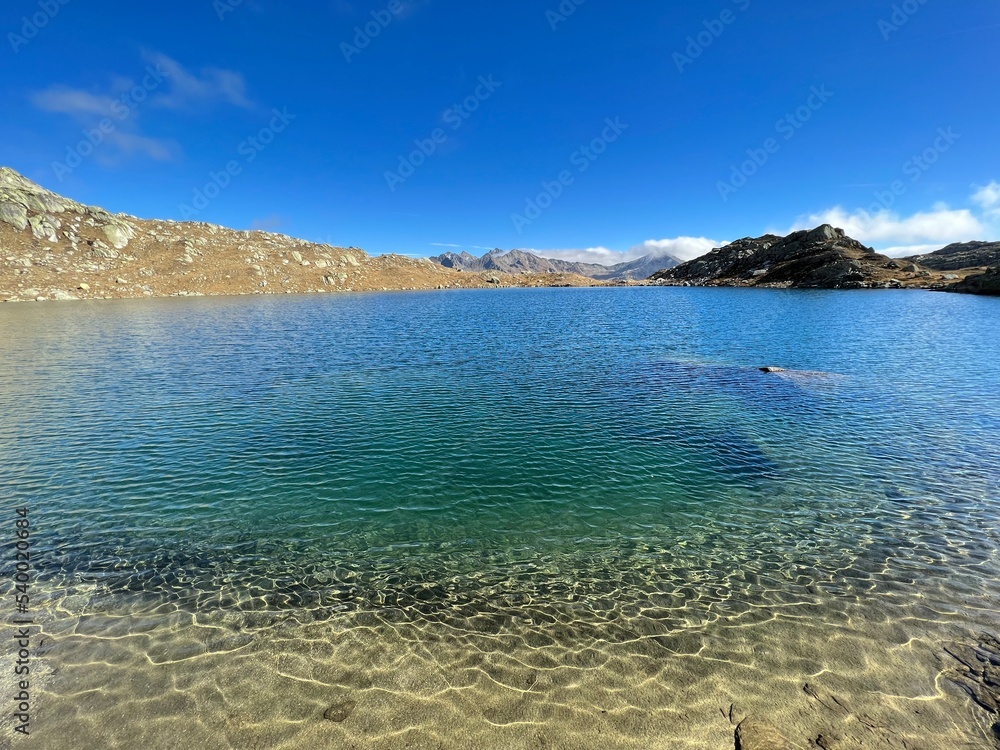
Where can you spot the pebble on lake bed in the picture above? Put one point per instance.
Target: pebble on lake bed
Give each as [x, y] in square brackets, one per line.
[340, 711]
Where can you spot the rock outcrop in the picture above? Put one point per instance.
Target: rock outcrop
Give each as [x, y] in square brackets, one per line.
[961, 255]
[983, 283]
[823, 258]
[24, 205]
[54, 248]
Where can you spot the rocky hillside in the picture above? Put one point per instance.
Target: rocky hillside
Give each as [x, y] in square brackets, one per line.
[961, 255]
[522, 262]
[52, 247]
[824, 258]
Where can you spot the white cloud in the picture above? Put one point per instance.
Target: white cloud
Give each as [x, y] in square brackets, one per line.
[922, 232]
[988, 197]
[684, 248]
[905, 251]
[886, 229]
[601, 255]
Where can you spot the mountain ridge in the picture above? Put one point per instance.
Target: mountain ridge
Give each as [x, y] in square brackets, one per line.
[821, 258]
[523, 261]
[961, 255]
[55, 248]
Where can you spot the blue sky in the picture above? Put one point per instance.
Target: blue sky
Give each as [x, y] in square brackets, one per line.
[590, 130]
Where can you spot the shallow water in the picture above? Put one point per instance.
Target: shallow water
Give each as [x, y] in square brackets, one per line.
[504, 519]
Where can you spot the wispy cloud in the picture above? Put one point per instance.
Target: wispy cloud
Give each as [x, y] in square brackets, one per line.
[75, 102]
[459, 247]
[88, 108]
[121, 104]
[209, 86]
[270, 223]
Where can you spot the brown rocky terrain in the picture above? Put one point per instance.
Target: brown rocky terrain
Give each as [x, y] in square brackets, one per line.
[54, 248]
[824, 258]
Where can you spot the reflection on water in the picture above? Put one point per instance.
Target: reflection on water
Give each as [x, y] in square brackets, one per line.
[526, 519]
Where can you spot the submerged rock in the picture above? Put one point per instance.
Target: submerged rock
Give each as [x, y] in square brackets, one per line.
[755, 734]
[978, 673]
[773, 369]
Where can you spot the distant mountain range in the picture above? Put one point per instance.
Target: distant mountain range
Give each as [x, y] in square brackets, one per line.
[515, 262]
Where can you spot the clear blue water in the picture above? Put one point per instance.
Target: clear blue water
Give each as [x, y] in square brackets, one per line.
[556, 466]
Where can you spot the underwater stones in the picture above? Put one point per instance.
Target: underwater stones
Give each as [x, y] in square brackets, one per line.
[978, 673]
[773, 369]
[827, 742]
[755, 734]
[339, 712]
